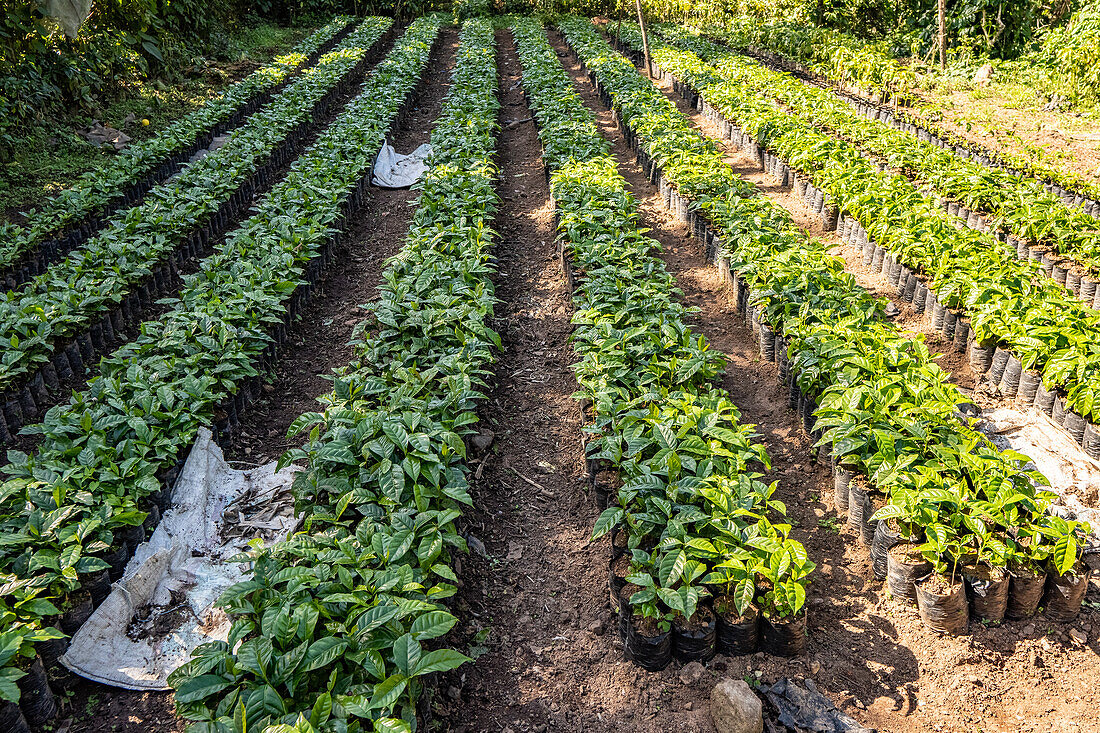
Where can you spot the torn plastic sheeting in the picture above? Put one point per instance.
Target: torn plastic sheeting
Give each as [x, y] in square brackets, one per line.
[393, 170]
[1056, 455]
[806, 709]
[163, 607]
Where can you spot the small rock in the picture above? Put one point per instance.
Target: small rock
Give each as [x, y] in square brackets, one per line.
[688, 705]
[815, 667]
[453, 692]
[597, 627]
[1078, 636]
[735, 708]
[819, 512]
[482, 441]
[477, 546]
[892, 310]
[692, 673]
[1027, 630]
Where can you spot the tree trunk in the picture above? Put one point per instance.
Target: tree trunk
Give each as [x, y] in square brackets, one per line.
[645, 38]
[943, 33]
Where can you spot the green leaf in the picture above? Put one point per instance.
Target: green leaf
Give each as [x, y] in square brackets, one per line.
[200, 688]
[440, 660]
[387, 691]
[432, 624]
[322, 652]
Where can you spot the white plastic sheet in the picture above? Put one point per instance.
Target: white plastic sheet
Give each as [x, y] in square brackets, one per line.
[163, 606]
[393, 170]
[1072, 474]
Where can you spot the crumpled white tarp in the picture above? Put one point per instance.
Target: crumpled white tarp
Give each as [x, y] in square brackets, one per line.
[163, 606]
[1070, 471]
[393, 170]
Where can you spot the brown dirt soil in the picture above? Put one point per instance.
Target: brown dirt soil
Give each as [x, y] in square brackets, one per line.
[868, 652]
[998, 118]
[536, 608]
[1009, 117]
[316, 344]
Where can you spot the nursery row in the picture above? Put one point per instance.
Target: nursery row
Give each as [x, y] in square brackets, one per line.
[902, 450]
[67, 220]
[59, 322]
[701, 557]
[1015, 209]
[823, 51]
[835, 60]
[72, 511]
[1011, 307]
[331, 623]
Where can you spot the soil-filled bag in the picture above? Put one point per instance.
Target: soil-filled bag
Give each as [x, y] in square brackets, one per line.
[904, 565]
[842, 478]
[1010, 379]
[981, 357]
[941, 602]
[1030, 379]
[859, 504]
[1044, 398]
[997, 366]
[617, 569]
[1075, 426]
[77, 609]
[737, 635]
[647, 647]
[12, 720]
[695, 639]
[885, 538]
[36, 698]
[1025, 590]
[51, 650]
[987, 591]
[784, 637]
[1064, 594]
[1092, 440]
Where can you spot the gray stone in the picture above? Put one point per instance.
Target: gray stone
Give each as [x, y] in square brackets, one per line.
[735, 708]
[692, 673]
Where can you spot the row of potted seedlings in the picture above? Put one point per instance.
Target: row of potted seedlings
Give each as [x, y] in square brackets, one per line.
[701, 561]
[335, 623]
[827, 66]
[994, 305]
[72, 512]
[66, 221]
[1034, 224]
[954, 525]
[58, 324]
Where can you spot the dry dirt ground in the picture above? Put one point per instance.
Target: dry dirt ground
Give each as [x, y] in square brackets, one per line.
[1010, 117]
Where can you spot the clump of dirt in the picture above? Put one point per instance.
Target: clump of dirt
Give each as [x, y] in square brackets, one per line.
[158, 620]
